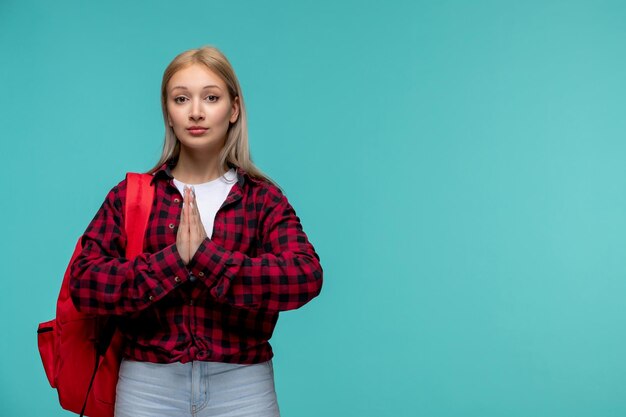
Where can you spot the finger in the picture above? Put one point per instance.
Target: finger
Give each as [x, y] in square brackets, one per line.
[182, 235]
[198, 218]
[188, 218]
[192, 209]
[195, 211]
[187, 202]
[195, 205]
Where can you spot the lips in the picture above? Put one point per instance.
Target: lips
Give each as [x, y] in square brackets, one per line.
[196, 130]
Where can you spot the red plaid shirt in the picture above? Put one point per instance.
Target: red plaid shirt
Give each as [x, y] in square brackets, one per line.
[224, 304]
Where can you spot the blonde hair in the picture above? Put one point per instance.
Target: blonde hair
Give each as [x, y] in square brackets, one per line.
[236, 150]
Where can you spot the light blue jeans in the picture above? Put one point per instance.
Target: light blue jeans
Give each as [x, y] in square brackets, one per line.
[195, 389]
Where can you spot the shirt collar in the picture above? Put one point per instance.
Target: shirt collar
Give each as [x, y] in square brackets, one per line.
[165, 171]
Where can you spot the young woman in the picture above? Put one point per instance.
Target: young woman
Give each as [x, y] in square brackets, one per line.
[224, 253]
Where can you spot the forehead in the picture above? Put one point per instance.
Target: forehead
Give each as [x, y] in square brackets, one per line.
[195, 76]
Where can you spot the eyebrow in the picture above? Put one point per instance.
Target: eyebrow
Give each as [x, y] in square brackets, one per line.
[204, 88]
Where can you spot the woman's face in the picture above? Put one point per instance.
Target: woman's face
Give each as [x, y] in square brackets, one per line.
[199, 108]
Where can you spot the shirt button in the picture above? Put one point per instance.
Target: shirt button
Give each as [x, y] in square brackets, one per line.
[176, 279]
[150, 298]
[171, 225]
[192, 278]
[201, 273]
[176, 200]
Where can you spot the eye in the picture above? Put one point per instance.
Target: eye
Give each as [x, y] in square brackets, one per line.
[212, 99]
[180, 99]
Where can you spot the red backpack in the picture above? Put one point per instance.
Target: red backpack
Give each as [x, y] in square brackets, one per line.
[81, 353]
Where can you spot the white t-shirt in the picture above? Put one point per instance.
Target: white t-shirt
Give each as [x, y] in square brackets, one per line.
[210, 196]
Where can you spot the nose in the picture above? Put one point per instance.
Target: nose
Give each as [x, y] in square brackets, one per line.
[196, 112]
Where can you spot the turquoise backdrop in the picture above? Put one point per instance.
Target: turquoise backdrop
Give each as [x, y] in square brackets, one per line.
[458, 165]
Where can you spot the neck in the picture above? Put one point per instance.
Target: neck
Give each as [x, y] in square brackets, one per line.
[196, 168]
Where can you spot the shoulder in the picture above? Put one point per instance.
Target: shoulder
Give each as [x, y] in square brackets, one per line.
[260, 189]
[264, 198]
[117, 193]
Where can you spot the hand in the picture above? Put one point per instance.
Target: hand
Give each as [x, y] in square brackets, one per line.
[191, 231]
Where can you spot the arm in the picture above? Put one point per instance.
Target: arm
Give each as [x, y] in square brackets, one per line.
[285, 277]
[103, 281]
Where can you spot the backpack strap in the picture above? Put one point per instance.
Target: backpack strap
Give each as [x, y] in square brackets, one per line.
[139, 198]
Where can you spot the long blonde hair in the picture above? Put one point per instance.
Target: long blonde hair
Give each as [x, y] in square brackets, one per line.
[236, 149]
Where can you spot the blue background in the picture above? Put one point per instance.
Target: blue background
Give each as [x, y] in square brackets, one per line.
[458, 165]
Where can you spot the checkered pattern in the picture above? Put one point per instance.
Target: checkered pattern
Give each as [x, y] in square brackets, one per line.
[224, 304]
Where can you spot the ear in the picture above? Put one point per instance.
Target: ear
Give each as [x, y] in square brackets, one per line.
[234, 110]
[169, 120]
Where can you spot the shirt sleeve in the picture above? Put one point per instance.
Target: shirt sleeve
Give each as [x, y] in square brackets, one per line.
[103, 281]
[286, 276]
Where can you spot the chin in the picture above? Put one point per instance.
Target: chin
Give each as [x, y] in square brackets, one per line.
[200, 144]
